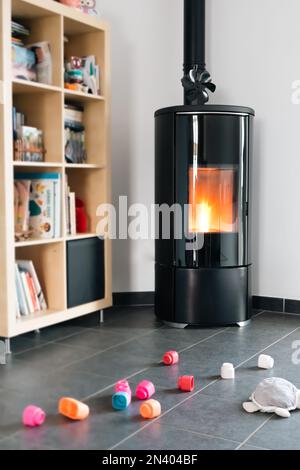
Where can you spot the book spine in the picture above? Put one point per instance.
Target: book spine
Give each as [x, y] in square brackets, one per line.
[57, 208]
[31, 292]
[27, 292]
[20, 293]
[72, 213]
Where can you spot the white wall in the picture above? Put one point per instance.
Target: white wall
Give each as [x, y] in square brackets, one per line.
[146, 70]
[254, 56]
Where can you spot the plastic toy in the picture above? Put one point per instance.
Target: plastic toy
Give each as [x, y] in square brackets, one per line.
[274, 395]
[123, 386]
[73, 409]
[33, 416]
[265, 362]
[121, 401]
[186, 383]
[145, 390]
[227, 371]
[171, 358]
[150, 409]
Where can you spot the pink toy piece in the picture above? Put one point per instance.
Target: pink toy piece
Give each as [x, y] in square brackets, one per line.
[171, 358]
[123, 386]
[33, 416]
[145, 390]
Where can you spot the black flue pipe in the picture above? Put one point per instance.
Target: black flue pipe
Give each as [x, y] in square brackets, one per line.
[194, 35]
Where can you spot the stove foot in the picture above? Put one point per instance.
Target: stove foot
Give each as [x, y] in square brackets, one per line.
[243, 324]
[178, 326]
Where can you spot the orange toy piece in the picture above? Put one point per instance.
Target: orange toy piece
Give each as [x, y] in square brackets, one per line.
[73, 409]
[150, 409]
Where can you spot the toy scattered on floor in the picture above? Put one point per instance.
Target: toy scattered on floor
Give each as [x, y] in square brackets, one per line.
[186, 383]
[227, 371]
[171, 358]
[123, 386]
[121, 401]
[145, 390]
[73, 409]
[33, 416]
[150, 409]
[274, 395]
[265, 362]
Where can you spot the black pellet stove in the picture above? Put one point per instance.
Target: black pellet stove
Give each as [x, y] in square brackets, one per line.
[203, 155]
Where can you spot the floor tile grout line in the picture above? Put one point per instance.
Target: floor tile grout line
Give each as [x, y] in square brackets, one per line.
[196, 393]
[92, 355]
[254, 432]
[162, 415]
[267, 347]
[145, 369]
[212, 436]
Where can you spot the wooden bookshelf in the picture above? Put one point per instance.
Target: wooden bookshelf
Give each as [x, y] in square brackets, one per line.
[43, 105]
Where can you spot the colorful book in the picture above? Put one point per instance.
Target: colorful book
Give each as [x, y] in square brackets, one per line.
[20, 293]
[29, 267]
[21, 205]
[45, 204]
[27, 292]
[72, 203]
[32, 292]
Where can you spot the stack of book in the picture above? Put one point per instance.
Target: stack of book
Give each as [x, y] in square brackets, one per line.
[28, 141]
[31, 62]
[29, 295]
[70, 204]
[37, 203]
[23, 59]
[75, 150]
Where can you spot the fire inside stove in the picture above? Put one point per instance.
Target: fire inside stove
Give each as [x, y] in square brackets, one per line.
[213, 200]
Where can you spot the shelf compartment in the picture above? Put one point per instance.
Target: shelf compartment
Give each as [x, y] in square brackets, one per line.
[48, 260]
[46, 28]
[95, 133]
[84, 44]
[44, 111]
[91, 187]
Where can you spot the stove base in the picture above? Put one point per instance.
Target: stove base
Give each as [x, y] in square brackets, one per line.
[203, 297]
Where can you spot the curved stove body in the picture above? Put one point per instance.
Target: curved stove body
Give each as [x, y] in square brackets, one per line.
[203, 261]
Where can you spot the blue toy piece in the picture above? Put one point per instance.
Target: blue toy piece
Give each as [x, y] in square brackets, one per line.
[121, 401]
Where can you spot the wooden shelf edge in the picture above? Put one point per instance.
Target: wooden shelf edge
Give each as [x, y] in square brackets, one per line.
[20, 86]
[85, 166]
[53, 317]
[37, 164]
[82, 97]
[29, 243]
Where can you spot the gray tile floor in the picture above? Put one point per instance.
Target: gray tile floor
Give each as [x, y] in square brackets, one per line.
[83, 359]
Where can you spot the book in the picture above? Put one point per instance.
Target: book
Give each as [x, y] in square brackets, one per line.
[43, 59]
[29, 267]
[44, 204]
[72, 204]
[21, 205]
[27, 292]
[32, 292]
[67, 206]
[20, 293]
[23, 63]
